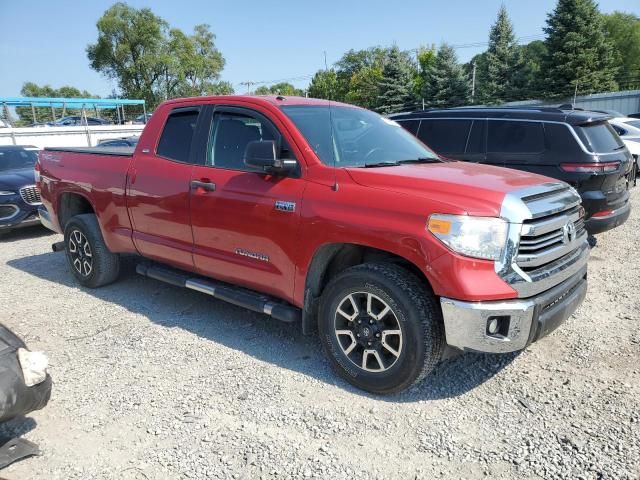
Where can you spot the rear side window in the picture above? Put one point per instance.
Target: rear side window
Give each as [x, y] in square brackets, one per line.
[176, 138]
[515, 137]
[410, 125]
[445, 136]
[599, 137]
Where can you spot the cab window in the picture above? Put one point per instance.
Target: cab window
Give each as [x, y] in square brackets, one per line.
[177, 136]
[230, 134]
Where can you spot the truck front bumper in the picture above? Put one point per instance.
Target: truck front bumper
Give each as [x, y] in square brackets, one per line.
[510, 325]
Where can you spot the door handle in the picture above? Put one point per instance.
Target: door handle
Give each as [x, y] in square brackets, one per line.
[208, 186]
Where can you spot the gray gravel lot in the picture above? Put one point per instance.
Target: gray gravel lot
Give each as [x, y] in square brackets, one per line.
[154, 382]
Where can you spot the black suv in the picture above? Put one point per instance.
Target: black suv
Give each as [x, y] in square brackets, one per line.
[578, 147]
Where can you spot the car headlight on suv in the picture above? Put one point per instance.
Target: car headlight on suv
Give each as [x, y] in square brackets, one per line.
[6, 192]
[478, 237]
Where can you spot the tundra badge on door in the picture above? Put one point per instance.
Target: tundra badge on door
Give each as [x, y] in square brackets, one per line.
[285, 206]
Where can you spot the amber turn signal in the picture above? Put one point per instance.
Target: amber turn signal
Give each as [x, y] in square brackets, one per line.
[437, 225]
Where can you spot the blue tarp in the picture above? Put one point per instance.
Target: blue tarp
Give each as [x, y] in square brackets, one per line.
[67, 102]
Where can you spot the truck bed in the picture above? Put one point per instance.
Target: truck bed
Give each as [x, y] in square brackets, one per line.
[118, 151]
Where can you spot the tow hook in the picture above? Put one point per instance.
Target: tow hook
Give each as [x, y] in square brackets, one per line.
[58, 247]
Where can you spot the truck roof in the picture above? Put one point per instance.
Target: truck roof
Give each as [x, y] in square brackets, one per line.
[276, 100]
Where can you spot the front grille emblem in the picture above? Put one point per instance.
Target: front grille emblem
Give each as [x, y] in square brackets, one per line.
[568, 233]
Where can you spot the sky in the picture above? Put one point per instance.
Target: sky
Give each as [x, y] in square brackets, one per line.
[262, 41]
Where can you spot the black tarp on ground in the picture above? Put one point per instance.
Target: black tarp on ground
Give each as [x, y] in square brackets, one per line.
[15, 397]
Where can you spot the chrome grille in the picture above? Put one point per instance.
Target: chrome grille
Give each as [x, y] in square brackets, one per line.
[31, 195]
[546, 242]
[546, 239]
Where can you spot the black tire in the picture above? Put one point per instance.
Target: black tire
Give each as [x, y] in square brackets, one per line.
[104, 265]
[413, 307]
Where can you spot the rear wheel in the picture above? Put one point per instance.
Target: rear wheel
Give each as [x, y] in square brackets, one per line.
[90, 260]
[381, 328]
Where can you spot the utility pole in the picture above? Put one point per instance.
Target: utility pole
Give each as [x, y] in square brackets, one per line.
[248, 83]
[473, 84]
[575, 95]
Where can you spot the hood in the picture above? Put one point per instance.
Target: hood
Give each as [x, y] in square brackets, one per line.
[468, 187]
[632, 144]
[16, 179]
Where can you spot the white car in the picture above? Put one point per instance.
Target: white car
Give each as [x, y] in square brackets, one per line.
[629, 130]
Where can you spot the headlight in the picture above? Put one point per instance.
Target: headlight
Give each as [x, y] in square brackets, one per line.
[34, 366]
[479, 237]
[6, 192]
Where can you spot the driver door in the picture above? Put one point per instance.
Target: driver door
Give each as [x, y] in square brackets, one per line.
[244, 222]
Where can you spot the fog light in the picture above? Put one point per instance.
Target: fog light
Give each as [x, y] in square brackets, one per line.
[493, 326]
[498, 326]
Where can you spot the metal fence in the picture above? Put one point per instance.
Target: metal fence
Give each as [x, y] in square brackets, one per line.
[624, 102]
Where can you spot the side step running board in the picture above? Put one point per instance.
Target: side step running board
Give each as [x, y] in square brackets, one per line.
[228, 293]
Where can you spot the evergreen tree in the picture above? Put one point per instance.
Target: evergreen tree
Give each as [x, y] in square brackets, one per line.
[578, 51]
[395, 89]
[624, 32]
[447, 84]
[495, 78]
[526, 83]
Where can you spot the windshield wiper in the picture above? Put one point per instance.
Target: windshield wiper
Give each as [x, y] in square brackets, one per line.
[381, 164]
[401, 162]
[420, 160]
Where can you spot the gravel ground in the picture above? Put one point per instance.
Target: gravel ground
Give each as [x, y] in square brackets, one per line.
[154, 382]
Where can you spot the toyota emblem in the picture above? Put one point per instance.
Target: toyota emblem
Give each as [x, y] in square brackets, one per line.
[568, 233]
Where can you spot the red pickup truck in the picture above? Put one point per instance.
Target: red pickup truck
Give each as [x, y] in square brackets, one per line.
[331, 216]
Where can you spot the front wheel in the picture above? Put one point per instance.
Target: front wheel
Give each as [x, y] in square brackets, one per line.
[90, 260]
[381, 327]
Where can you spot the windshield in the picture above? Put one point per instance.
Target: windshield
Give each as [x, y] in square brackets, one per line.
[15, 159]
[634, 123]
[360, 137]
[599, 137]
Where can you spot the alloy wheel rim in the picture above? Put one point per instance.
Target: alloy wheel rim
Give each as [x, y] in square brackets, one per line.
[368, 331]
[80, 252]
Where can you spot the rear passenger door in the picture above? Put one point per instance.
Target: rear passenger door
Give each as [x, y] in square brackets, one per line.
[516, 144]
[158, 191]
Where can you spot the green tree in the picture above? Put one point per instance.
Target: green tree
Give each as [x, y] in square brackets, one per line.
[447, 84]
[526, 82]
[624, 32]
[395, 88]
[282, 88]
[579, 54]
[363, 87]
[426, 57]
[363, 64]
[496, 75]
[199, 62]
[324, 84]
[149, 60]
[221, 88]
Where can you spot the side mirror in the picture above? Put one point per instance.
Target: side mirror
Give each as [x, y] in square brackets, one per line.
[262, 154]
